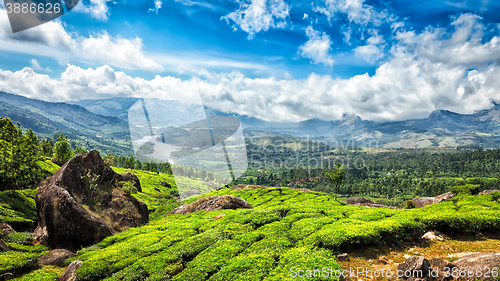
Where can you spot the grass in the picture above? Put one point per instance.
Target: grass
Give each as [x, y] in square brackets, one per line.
[158, 198]
[286, 228]
[18, 208]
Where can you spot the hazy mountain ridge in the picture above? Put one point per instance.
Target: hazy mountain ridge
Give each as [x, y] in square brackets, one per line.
[442, 128]
[90, 130]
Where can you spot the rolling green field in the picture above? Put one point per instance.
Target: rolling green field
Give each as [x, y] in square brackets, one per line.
[287, 228]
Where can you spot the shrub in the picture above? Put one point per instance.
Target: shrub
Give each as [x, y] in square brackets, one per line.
[24, 238]
[469, 189]
[410, 204]
[495, 196]
[128, 187]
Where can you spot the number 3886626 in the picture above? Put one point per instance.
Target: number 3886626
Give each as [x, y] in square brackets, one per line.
[33, 8]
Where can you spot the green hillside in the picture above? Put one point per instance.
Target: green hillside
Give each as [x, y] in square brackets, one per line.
[86, 129]
[287, 228]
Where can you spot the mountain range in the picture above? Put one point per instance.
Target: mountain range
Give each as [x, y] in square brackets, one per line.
[442, 128]
[107, 118]
[83, 127]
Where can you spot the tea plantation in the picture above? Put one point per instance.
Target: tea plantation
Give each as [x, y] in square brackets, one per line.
[287, 228]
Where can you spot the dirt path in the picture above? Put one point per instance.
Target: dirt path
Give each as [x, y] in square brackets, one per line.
[384, 258]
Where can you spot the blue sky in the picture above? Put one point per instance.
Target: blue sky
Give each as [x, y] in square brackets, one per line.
[272, 59]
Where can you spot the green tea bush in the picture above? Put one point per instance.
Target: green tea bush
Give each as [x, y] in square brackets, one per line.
[410, 204]
[128, 187]
[470, 189]
[17, 262]
[47, 273]
[495, 196]
[24, 238]
[304, 230]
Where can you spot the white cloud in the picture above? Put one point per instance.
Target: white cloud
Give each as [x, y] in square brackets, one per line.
[426, 71]
[157, 6]
[52, 40]
[122, 52]
[317, 47]
[306, 16]
[356, 11]
[36, 66]
[373, 51]
[98, 9]
[254, 16]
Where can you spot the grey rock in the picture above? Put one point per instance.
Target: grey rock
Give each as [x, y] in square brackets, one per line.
[70, 273]
[343, 257]
[434, 235]
[213, 203]
[414, 268]
[64, 223]
[442, 268]
[3, 247]
[6, 276]
[56, 257]
[6, 229]
[484, 261]
[165, 184]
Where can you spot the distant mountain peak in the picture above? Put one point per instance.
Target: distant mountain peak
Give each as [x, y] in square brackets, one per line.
[442, 113]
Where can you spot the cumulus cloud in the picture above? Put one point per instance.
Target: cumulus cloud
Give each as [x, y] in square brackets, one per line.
[157, 7]
[373, 50]
[361, 19]
[117, 51]
[356, 10]
[426, 71]
[98, 9]
[254, 16]
[317, 48]
[36, 66]
[52, 40]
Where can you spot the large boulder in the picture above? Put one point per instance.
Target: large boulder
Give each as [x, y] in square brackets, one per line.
[56, 257]
[414, 268]
[435, 236]
[425, 201]
[365, 203]
[482, 261]
[441, 269]
[70, 273]
[128, 176]
[488, 191]
[6, 229]
[213, 203]
[82, 203]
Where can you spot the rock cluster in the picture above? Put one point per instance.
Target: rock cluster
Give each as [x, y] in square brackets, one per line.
[425, 201]
[80, 205]
[419, 268]
[366, 203]
[213, 203]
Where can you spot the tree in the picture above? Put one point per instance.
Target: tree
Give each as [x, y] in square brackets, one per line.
[47, 147]
[19, 154]
[80, 150]
[62, 150]
[335, 177]
[138, 164]
[129, 162]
